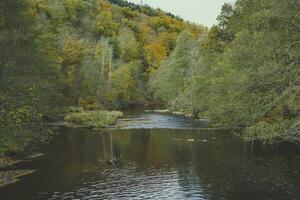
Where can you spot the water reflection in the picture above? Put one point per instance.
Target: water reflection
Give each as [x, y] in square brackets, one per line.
[159, 164]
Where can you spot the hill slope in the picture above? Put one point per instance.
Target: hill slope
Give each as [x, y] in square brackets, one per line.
[87, 53]
[244, 73]
[107, 53]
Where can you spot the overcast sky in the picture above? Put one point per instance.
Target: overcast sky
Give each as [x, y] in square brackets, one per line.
[199, 11]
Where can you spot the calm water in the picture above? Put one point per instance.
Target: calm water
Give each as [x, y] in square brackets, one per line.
[161, 157]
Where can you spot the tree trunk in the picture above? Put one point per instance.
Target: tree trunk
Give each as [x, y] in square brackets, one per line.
[102, 70]
[110, 69]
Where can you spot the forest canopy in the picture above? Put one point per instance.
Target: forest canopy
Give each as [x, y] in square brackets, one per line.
[99, 54]
[243, 72]
[93, 54]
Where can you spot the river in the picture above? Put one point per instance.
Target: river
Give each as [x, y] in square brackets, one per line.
[158, 156]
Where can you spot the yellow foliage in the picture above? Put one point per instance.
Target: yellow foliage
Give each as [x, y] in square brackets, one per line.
[37, 6]
[155, 53]
[104, 6]
[168, 23]
[73, 50]
[146, 33]
[168, 40]
[105, 24]
[87, 104]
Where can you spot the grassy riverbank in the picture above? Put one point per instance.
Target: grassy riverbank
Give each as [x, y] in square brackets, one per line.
[100, 118]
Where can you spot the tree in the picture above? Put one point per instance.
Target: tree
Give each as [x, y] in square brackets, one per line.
[155, 53]
[105, 25]
[128, 45]
[169, 84]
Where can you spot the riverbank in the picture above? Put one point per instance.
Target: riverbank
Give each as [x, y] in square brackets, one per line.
[7, 162]
[21, 144]
[257, 133]
[10, 172]
[14, 154]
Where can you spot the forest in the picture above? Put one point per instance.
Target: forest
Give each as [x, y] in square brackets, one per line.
[57, 55]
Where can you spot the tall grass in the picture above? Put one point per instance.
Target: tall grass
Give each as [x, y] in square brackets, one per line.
[99, 118]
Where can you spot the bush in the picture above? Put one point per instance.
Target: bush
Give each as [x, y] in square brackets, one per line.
[267, 132]
[24, 139]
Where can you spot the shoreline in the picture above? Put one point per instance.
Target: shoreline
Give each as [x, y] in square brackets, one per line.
[9, 171]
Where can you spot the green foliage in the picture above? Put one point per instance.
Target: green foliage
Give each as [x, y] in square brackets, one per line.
[73, 7]
[92, 53]
[26, 72]
[170, 83]
[244, 72]
[267, 131]
[128, 45]
[94, 42]
[123, 90]
[144, 9]
[98, 118]
[28, 92]
[88, 53]
[105, 25]
[23, 139]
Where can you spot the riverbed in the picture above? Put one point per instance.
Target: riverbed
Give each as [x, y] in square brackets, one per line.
[158, 156]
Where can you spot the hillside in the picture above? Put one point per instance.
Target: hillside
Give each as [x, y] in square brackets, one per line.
[85, 53]
[106, 53]
[100, 54]
[244, 73]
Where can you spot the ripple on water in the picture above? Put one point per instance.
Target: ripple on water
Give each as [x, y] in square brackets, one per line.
[133, 183]
[160, 163]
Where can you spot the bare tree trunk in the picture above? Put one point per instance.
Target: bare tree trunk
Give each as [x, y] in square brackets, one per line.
[101, 79]
[102, 69]
[110, 69]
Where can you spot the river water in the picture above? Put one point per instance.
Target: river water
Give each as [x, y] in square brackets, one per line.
[157, 156]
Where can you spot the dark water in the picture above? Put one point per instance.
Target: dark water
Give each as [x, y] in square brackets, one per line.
[159, 163]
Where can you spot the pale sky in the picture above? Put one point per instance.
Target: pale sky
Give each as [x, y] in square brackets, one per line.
[199, 11]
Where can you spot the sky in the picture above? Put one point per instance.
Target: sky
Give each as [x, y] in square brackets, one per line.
[202, 12]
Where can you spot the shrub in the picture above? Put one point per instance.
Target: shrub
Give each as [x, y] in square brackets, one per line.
[99, 118]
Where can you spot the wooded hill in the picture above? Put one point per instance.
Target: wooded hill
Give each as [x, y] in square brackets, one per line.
[86, 53]
[244, 72]
[106, 53]
[95, 54]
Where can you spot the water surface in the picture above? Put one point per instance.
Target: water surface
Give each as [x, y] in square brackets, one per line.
[161, 157]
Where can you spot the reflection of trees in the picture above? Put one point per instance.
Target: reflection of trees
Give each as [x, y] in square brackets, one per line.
[227, 167]
[75, 151]
[132, 144]
[220, 167]
[150, 148]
